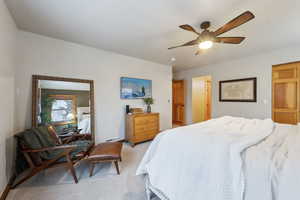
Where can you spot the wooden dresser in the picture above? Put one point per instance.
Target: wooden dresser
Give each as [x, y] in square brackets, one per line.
[141, 127]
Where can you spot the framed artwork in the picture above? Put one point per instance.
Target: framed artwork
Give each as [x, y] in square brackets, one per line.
[238, 90]
[134, 88]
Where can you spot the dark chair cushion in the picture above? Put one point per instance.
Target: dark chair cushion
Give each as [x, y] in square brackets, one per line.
[52, 131]
[82, 146]
[37, 138]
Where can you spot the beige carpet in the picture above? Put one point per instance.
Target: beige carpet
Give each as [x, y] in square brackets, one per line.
[56, 184]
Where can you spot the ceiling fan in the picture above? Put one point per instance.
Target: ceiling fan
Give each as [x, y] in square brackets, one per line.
[206, 38]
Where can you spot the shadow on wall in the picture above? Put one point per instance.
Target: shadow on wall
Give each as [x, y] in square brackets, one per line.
[21, 125]
[10, 147]
[122, 128]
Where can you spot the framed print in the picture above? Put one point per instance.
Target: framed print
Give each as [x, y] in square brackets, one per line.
[238, 90]
[134, 88]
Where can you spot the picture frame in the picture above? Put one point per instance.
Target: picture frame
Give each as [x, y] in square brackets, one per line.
[238, 90]
[135, 88]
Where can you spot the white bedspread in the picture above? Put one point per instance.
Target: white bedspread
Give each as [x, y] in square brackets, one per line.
[289, 178]
[265, 164]
[203, 161]
[85, 125]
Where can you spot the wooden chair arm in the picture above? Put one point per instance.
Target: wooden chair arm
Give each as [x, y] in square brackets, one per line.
[65, 147]
[76, 137]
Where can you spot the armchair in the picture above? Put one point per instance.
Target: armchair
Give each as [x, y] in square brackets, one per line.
[41, 149]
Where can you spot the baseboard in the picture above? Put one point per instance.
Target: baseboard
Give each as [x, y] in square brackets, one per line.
[115, 140]
[7, 188]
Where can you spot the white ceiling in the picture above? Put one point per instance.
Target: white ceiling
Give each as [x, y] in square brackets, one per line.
[145, 29]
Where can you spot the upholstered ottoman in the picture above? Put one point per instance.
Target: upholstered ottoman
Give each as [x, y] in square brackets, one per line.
[105, 152]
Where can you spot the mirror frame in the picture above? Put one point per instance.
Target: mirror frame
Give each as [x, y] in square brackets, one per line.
[36, 78]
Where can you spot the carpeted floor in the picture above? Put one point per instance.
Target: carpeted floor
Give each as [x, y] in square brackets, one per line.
[56, 184]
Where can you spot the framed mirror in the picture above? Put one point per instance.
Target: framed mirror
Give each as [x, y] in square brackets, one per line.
[64, 103]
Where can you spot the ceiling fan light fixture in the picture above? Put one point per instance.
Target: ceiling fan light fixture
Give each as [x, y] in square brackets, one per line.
[206, 44]
[207, 38]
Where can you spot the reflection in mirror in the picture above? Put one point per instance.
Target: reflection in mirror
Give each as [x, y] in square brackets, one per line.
[63, 109]
[64, 105]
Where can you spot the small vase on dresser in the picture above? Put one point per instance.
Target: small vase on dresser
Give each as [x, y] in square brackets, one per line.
[141, 127]
[148, 108]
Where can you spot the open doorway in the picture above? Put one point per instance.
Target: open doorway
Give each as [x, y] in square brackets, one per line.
[201, 98]
[178, 103]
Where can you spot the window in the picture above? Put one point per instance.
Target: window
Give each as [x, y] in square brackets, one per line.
[63, 110]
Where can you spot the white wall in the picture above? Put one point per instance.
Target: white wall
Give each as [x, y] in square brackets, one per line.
[45, 56]
[259, 66]
[8, 32]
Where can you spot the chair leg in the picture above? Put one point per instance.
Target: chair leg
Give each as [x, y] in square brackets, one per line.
[31, 174]
[35, 170]
[92, 166]
[117, 166]
[71, 167]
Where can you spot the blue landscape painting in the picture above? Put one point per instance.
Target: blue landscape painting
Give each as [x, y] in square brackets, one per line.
[133, 88]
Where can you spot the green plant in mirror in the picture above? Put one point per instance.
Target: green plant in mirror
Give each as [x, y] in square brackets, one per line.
[46, 108]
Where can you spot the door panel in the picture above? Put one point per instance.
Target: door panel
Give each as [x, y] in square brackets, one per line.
[283, 72]
[285, 117]
[208, 100]
[286, 93]
[178, 102]
[285, 96]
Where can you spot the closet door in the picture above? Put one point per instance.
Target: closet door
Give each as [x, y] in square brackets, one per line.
[286, 93]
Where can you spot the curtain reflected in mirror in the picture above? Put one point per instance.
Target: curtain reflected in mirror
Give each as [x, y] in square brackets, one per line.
[63, 105]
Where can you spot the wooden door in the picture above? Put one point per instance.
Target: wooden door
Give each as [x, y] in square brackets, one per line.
[208, 100]
[285, 97]
[178, 102]
[201, 98]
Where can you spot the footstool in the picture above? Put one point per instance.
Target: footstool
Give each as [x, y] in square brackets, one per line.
[105, 152]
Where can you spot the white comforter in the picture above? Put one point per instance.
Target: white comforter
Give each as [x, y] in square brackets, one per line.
[207, 161]
[85, 126]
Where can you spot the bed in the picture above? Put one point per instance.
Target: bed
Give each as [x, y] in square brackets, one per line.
[84, 119]
[226, 158]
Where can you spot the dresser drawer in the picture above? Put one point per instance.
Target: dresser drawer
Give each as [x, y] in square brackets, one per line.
[146, 135]
[142, 129]
[145, 120]
[146, 125]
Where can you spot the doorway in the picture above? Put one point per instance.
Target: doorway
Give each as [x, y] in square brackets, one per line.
[178, 87]
[201, 98]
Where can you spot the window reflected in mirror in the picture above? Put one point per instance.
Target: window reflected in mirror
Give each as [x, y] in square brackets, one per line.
[63, 109]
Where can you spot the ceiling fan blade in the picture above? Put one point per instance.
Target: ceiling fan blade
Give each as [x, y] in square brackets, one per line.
[230, 40]
[241, 19]
[190, 43]
[188, 28]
